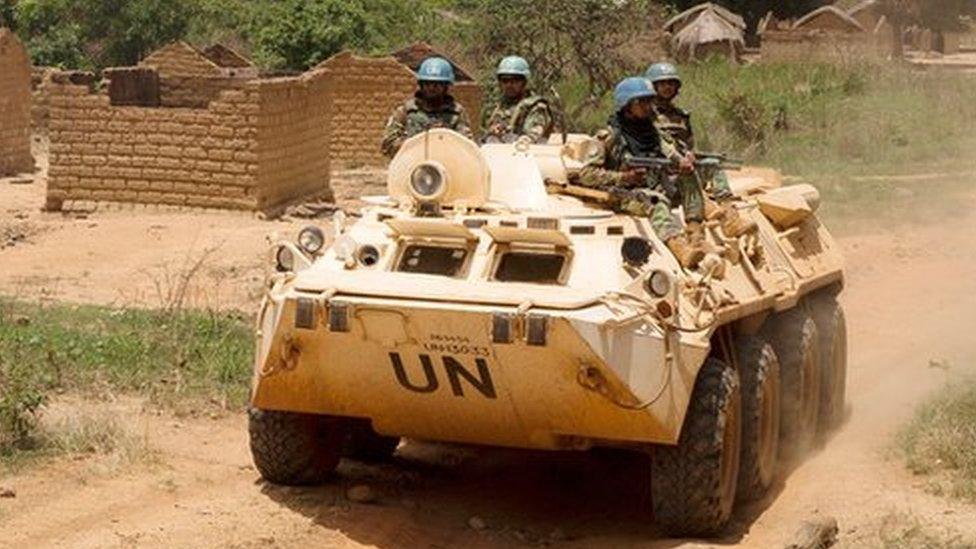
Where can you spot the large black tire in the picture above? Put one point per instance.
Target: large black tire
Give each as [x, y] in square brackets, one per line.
[367, 445]
[759, 372]
[295, 449]
[832, 325]
[796, 341]
[693, 484]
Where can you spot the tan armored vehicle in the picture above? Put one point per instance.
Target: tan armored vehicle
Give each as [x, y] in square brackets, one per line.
[486, 300]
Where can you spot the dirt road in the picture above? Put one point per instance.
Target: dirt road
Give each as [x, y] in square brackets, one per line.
[910, 299]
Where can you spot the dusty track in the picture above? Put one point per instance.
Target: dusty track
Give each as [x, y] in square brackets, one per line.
[910, 298]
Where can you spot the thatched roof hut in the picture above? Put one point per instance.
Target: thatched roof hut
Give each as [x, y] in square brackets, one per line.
[707, 35]
[828, 19]
[680, 21]
[867, 13]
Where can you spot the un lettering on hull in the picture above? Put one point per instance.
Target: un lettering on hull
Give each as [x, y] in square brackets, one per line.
[463, 379]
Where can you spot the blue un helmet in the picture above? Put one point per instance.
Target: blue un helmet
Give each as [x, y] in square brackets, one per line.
[629, 89]
[436, 69]
[513, 65]
[661, 72]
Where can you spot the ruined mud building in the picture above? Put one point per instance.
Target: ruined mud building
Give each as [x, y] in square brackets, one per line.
[200, 128]
[15, 106]
[826, 34]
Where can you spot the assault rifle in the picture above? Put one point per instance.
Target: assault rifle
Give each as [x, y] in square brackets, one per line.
[703, 161]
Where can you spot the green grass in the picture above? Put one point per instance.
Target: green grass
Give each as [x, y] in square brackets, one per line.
[822, 119]
[940, 441]
[832, 124]
[185, 360]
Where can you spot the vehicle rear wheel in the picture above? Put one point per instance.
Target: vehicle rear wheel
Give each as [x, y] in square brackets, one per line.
[367, 445]
[295, 449]
[796, 341]
[759, 372]
[693, 484]
[832, 325]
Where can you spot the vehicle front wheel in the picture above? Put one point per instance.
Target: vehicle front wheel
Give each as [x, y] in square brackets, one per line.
[693, 484]
[295, 449]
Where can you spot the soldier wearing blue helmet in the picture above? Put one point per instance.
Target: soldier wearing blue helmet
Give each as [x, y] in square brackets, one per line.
[675, 122]
[631, 133]
[430, 107]
[519, 111]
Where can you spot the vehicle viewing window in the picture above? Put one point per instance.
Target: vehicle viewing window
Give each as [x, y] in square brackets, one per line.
[427, 259]
[538, 268]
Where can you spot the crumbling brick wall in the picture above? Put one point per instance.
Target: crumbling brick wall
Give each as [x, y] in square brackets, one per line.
[180, 59]
[15, 106]
[293, 152]
[364, 93]
[234, 154]
[187, 78]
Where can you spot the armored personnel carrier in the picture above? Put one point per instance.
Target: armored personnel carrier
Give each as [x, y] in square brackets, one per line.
[487, 300]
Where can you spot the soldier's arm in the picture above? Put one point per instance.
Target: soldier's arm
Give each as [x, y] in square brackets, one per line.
[594, 172]
[669, 147]
[393, 136]
[691, 132]
[538, 123]
[463, 124]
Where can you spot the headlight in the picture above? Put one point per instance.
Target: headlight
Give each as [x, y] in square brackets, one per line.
[367, 255]
[284, 260]
[311, 239]
[658, 284]
[427, 182]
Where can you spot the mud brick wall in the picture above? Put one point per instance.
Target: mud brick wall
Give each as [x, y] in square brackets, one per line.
[195, 91]
[234, 154]
[180, 59]
[364, 93]
[15, 106]
[293, 152]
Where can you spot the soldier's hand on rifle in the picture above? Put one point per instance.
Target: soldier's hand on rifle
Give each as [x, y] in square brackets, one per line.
[687, 164]
[496, 129]
[633, 177]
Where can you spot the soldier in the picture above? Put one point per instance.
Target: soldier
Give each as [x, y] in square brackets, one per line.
[520, 112]
[430, 107]
[631, 133]
[675, 122]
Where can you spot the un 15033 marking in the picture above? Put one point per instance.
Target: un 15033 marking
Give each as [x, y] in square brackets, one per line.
[454, 369]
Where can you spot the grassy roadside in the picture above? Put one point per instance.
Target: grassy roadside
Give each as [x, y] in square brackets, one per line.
[184, 361]
[842, 127]
[940, 441]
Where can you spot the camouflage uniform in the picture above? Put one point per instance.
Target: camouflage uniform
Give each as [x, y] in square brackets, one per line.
[604, 169]
[510, 120]
[675, 122]
[416, 116]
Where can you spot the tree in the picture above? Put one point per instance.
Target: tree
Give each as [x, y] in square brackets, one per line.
[298, 34]
[560, 39]
[98, 33]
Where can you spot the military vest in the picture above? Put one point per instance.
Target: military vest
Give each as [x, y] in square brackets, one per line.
[676, 123]
[419, 120]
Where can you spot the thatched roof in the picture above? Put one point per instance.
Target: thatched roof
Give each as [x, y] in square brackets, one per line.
[687, 16]
[707, 28]
[834, 14]
[865, 5]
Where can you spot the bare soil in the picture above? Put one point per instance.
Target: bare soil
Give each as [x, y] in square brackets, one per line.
[910, 300]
